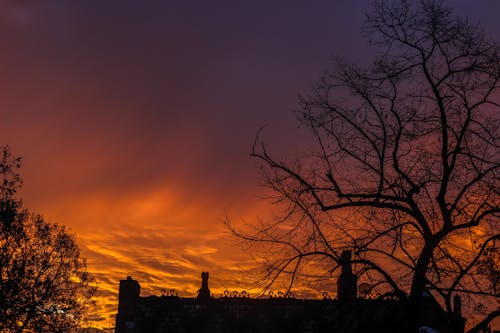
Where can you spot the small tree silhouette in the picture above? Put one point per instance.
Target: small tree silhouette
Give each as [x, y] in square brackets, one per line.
[405, 174]
[44, 285]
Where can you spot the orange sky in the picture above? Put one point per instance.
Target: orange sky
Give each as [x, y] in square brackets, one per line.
[135, 119]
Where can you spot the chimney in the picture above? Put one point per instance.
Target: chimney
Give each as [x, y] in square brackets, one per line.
[347, 288]
[128, 297]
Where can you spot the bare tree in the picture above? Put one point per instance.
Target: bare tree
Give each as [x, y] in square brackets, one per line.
[44, 286]
[405, 173]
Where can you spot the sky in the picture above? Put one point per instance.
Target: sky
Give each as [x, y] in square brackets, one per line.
[134, 120]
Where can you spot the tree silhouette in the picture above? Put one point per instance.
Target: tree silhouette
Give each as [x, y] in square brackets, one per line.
[405, 173]
[44, 286]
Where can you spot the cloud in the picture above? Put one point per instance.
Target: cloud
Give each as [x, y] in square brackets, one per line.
[157, 238]
[135, 123]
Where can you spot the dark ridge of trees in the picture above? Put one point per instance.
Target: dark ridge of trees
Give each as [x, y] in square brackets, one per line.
[44, 284]
[405, 171]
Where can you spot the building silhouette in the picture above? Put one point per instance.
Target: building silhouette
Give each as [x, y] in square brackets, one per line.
[240, 313]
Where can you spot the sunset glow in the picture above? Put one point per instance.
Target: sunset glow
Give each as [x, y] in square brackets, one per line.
[134, 121]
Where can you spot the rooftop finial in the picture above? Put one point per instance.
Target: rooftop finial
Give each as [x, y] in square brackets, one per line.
[204, 291]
